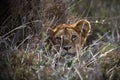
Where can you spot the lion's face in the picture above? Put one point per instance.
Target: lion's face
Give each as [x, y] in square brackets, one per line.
[69, 38]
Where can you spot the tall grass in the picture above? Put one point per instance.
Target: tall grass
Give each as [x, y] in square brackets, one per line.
[29, 58]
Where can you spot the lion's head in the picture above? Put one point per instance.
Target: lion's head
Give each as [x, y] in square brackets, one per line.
[69, 38]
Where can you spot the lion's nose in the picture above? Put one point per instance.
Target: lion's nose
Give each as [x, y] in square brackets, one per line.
[67, 48]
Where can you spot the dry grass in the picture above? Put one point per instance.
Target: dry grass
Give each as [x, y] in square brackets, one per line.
[24, 56]
[98, 61]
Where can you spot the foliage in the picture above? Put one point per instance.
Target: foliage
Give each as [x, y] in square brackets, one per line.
[24, 54]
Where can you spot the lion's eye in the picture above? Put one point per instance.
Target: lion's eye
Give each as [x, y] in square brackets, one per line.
[74, 37]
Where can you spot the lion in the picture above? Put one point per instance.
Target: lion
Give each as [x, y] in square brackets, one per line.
[68, 38]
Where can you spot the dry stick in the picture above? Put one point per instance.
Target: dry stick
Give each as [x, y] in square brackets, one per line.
[28, 37]
[111, 69]
[20, 27]
[52, 20]
[89, 8]
[6, 19]
[99, 39]
[93, 58]
[78, 72]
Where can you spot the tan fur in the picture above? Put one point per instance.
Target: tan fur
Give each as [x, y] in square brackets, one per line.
[69, 37]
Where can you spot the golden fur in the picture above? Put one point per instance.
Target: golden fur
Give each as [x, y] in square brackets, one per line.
[69, 37]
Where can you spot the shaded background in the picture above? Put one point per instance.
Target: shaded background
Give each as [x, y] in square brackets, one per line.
[103, 15]
[24, 23]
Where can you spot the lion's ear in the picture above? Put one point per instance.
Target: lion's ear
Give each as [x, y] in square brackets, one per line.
[83, 27]
[49, 33]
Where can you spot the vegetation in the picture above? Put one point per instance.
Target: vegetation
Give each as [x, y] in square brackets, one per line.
[25, 56]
